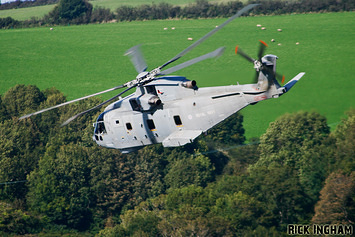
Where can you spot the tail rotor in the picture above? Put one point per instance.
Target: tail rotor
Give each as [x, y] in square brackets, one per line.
[262, 64]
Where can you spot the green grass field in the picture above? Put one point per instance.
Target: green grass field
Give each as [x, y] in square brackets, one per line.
[80, 60]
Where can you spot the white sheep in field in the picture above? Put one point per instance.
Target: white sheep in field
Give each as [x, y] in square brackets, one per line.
[279, 30]
[165, 28]
[190, 38]
[258, 25]
[263, 28]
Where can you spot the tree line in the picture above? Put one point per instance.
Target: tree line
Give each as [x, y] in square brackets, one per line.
[82, 12]
[56, 180]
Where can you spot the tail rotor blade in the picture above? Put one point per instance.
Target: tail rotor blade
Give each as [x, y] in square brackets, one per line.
[280, 77]
[243, 54]
[96, 107]
[69, 102]
[276, 75]
[262, 48]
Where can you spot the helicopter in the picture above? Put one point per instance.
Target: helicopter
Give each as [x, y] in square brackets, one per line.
[173, 110]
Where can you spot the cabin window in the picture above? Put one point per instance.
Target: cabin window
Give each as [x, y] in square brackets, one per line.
[177, 120]
[151, 124]
[129, 126]
[151, 90]
[117, 121]
[134, 104]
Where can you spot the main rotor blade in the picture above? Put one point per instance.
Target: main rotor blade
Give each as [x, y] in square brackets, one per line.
[137, 59]
[96, 107]
[72, 101]
[239, 13]
[216, 53]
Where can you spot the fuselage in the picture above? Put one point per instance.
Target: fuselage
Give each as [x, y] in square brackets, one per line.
[170, 111]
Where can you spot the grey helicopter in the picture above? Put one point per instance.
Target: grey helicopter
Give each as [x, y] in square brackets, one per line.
[173, 110]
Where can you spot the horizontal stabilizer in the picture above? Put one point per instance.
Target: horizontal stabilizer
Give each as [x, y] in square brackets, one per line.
[180, 138]
[293, 81]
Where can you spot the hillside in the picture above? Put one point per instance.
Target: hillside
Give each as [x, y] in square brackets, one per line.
[40, 11]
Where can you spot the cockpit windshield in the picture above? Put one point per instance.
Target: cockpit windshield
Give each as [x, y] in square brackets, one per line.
[100, 126]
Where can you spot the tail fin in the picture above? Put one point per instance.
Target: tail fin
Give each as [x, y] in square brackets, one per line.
[294, 80]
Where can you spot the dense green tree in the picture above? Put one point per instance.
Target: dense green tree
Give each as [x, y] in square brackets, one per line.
[125, 13]
[23, 142]
[189, 211]
[140, 223]
[284, 139]
[21, 99]
[337, 200]
[70, 11]
[8, 22]
[48, 122]
[188, 170]
[16, 221]
[300, 141]
[240, 157]
[344, 136]
[239, 209]
[199, 9]
[101, 14]
[230, 132]
[149, 171]
[20, 147]
[3, 112]
[111, 181]
[283, 199]
[60, 189]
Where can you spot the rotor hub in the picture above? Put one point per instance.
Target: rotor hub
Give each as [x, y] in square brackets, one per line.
[258, 65]
[142, 75]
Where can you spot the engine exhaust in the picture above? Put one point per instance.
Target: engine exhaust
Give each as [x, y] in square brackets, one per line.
[189, 84]
[154, 100]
